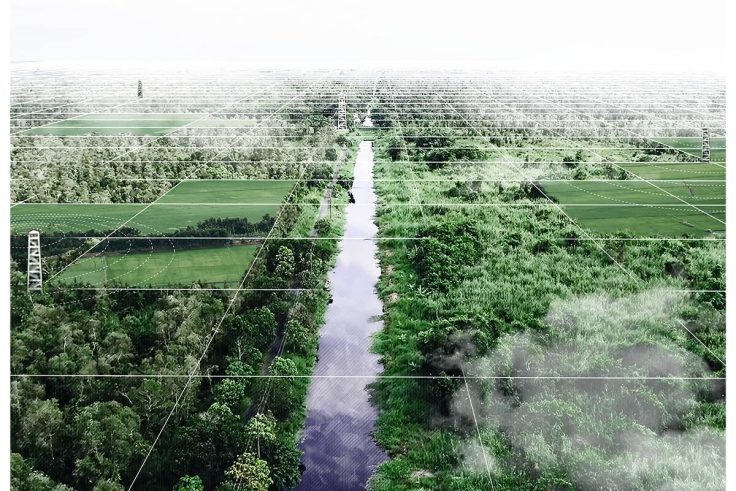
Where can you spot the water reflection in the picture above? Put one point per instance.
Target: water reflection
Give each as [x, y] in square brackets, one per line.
[339, 452]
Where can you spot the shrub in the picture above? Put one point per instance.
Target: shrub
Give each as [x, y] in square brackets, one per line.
[447, 248]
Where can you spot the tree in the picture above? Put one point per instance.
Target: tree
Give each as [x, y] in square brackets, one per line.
[281, 386]
[261, 427]
[230, 392]
[249, 473]
[298, 337]
[108, 439]
[189, 483]
[261, 326]
[107, 485]
[284, 264]
[41, 429]
[284, 458]
[208, 441]
[23, 477]
[396, 148]
[330, 153]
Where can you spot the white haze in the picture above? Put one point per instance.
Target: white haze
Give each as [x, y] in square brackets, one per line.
[531, 34]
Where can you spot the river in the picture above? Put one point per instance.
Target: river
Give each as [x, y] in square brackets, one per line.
[339, 451]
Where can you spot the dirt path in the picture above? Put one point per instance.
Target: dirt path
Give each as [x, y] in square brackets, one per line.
[324, 206]
[277, 346]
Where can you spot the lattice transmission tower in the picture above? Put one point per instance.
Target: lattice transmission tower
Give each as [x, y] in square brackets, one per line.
[35, 273]
[705, 155]
[342, 113]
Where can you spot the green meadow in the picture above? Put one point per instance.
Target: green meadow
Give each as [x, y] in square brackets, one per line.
[693, 146]
[644, 208]
[163, 268]
[681, 170]
[184, 205]
[144, 124]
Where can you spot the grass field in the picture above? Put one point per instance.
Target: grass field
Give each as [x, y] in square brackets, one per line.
[186, 204]
[688, 171]
[229, 192]
[160, 269]
[693, 146]
[661, 208]
[143, 124]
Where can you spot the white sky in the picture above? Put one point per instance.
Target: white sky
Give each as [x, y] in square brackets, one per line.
[584, 34]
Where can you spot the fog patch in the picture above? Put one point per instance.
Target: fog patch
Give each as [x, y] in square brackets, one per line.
[544, 392]
[476, 458]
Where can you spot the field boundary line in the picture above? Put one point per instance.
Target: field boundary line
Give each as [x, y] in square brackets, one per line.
[358, 376]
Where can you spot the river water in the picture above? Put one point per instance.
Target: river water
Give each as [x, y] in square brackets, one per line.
[339, 451]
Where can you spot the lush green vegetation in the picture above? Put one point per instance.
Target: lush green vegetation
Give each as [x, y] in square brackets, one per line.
[183, 206]
[225, 429]
[663, 208]
[530, 341]
[191, 209]
[537, 351]
[156, 219]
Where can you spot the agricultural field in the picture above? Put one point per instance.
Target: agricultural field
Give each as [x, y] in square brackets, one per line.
[210, 266]
[677, 171]
[692, 146]
[185, 205]
[143, 124]
[156, 219]
[662, 208]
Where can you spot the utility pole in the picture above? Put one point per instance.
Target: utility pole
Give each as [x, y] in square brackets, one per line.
[140, 89]
[35, 272]
[342, 112]
[705, 155]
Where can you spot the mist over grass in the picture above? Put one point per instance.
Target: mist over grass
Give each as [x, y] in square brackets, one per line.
[545, 400]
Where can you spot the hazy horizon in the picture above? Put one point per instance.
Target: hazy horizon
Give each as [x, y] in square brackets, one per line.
[380, 33]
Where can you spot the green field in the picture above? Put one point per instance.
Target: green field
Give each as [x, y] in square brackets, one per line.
[143, 124]
[641, 208]
[688, 171]
[160, 269]
[186, 204]
[229, 192]
[693, 146]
